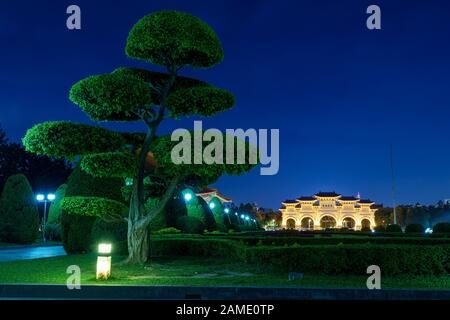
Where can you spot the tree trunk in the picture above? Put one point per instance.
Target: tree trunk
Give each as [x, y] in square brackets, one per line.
[138, 240]
[138, 243]
[138, 221]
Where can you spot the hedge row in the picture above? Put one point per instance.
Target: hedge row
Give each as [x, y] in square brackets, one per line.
[352, 259]
[289, 241]
[325, 259]
[197, 248]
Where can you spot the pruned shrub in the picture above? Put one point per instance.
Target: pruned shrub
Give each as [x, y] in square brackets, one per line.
[190, 224]
[18, 211]
[76, 228]
[197, 248]
[170, 230]
[443, 227]
[394, 228]
[114, 233]
[380, 228]
[53, 231]
[351, 259]
[414, 228]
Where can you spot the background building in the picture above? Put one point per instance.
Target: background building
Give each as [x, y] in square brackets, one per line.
[328, 210]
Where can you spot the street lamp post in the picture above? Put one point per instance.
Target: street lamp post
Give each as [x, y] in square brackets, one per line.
[41, 198]
[227, 211]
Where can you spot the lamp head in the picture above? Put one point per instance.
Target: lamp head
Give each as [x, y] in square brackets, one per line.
[104, 248]
[188, 196]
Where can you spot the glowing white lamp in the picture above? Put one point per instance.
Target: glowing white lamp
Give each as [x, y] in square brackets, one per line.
[187, 196]
[104, 261]
[50, 197]
[227, 210]
[212, 205]
[104, 248]
[40, 197]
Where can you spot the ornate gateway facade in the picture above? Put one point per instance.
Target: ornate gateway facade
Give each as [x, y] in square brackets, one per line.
[328, 210]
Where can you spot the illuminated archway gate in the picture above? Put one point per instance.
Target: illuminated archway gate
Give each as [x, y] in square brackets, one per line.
[290, 224]
[327, 222]
[365, 224]
[348, 223]
[329, 210]
[307, 223]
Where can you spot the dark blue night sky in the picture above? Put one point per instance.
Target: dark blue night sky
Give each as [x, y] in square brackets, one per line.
[339, 93]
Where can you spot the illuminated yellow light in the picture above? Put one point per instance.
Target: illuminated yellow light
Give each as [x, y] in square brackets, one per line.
[103, 268]
[104, 248]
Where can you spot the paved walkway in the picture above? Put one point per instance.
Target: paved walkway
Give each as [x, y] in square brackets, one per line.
[11, 254]
[107, 292]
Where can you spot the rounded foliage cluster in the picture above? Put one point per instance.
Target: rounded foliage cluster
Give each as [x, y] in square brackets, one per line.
[174, 38]
[66, 139]
[93, 206]
[205, 101]
[111, 97]
[110, 164]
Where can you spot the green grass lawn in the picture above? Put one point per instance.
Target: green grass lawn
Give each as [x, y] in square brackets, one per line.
[190, 271]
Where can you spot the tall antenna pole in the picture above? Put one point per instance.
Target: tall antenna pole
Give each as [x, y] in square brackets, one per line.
[393, 185]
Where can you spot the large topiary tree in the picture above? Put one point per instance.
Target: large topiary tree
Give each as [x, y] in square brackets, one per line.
[19, 221]
[173, 41]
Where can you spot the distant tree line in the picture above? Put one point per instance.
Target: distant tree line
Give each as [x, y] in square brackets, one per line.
[427, 216]
[45, 174]
[264, 216]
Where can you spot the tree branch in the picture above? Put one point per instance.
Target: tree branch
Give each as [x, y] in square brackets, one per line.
[152, 127]
[162, 203]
